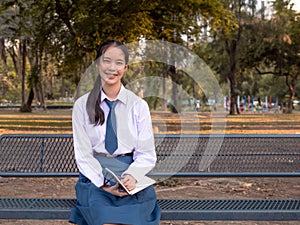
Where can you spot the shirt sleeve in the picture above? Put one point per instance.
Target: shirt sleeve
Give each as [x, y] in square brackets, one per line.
[87, 164]
[144, 153]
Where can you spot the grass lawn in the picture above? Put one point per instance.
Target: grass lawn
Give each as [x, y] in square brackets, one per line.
[59, 121]
[50, 121]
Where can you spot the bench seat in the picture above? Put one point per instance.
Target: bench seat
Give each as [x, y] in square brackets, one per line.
[52, 155]
[172, 209]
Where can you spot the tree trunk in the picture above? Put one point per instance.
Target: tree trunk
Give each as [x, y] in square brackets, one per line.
[232, 82]
[3, 83]
[35, 58]
[2, 52]
[176, 108]
[28, 106]
[22, 67]
[164, 101]
[22, 61]
[231, 48]
[233, 98]
[291, 85]
[63, 87]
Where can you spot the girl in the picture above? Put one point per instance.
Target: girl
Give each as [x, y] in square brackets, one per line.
[112, 129]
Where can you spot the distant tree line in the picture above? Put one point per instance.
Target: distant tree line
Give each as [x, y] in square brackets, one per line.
[45, 46]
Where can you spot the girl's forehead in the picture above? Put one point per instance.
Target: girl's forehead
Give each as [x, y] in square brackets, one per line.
[114, 52]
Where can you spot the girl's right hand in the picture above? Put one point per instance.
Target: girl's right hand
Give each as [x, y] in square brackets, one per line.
[114, 190]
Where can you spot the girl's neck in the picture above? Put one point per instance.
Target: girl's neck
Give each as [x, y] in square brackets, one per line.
[111, 91]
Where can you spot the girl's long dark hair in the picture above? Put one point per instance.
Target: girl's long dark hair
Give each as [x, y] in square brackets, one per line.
[95, 113]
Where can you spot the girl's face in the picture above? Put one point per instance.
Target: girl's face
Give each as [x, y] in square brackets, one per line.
[112, 66]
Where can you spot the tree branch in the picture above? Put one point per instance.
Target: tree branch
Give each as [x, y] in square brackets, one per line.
[63, 15]
[271, 72]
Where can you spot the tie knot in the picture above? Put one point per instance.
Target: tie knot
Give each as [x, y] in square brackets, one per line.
[111, 104]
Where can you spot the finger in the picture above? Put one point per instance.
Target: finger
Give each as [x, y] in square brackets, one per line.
[130, 188]
[128, 181]
[125, 180]
[116, 187]
[122, 194]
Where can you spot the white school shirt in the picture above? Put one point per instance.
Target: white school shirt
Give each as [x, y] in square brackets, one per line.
[134, 132]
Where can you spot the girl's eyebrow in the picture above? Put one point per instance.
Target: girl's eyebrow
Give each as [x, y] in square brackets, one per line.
[106, 57]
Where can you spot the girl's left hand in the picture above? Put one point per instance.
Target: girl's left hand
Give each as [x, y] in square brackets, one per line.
[129, 182]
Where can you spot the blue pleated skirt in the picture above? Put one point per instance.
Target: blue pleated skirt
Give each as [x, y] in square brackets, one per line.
[94, 206]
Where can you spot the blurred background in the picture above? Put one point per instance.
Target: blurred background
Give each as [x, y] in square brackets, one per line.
[252, 47]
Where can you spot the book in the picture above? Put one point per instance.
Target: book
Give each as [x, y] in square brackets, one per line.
[140, 185]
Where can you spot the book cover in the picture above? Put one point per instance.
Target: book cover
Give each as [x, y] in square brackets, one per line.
[142, 184]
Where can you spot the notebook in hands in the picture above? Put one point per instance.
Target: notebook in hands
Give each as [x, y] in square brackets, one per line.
[142, 184]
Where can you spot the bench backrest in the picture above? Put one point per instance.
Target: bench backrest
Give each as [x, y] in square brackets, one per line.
[178, 155]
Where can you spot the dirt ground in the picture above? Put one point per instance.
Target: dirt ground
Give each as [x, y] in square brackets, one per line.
[206, 188]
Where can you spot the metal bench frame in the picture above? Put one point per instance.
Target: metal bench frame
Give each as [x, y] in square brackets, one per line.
[47, 155]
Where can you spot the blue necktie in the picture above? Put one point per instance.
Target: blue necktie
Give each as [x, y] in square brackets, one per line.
[111, 141]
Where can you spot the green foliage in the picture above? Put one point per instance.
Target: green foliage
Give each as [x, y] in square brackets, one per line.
[9, 83]
[280, 47]
[62, 37]
[259, 49]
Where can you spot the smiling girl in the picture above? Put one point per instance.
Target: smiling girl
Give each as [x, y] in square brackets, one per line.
[112, 129]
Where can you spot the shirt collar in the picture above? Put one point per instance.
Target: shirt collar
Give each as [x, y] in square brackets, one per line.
[121, 96]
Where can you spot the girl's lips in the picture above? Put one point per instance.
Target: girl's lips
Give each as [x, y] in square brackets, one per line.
[112, 75]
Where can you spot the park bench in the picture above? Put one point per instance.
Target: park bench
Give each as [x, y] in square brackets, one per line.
[47, 155]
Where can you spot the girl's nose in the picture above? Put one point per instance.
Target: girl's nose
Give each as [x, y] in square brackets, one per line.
[113, 67]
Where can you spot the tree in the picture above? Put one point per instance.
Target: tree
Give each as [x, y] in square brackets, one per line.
[280, 55]
[19, 25]
[183, 23]
[59, 38]
[258, 46]
[233, 45]
[12, 24]
[35, 37]
[167, 20]
[274, 50]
